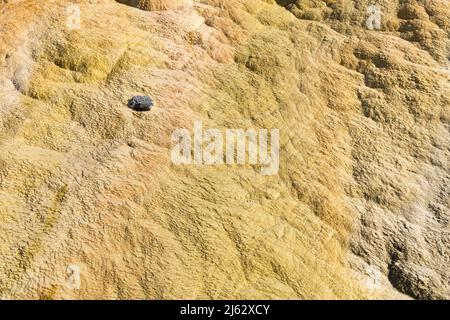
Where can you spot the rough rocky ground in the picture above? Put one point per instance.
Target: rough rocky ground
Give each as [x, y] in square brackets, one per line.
[359, 209]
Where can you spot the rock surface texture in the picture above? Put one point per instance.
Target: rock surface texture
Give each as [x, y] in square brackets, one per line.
[91, 205]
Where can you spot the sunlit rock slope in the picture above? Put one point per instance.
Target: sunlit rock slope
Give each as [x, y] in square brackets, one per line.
[359, 208]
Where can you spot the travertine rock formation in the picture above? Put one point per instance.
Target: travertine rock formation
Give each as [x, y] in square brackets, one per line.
[156, 5]
[359, 208]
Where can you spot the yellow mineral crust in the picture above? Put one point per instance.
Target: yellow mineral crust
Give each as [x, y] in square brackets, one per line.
[358, 210]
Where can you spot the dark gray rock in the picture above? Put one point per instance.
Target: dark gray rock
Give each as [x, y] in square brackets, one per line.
[141, 103]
